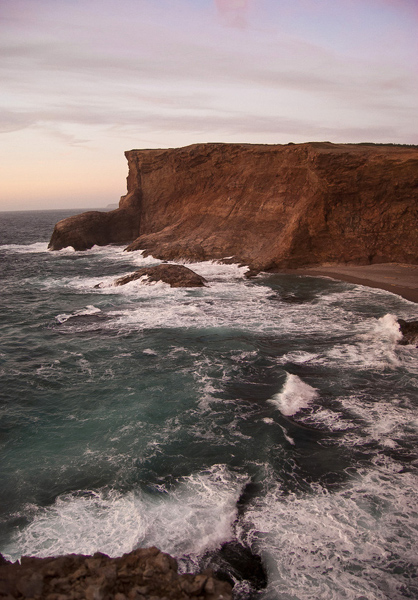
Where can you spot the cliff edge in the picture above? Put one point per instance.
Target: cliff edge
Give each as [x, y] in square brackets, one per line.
[268, 206]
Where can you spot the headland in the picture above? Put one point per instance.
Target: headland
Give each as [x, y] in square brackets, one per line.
[271, 207]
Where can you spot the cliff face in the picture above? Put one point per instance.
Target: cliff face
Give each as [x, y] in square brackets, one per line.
[267, 206]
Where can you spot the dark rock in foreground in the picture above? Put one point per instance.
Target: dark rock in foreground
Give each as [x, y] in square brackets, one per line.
[174, 275]
[409, 330]
[141, 574]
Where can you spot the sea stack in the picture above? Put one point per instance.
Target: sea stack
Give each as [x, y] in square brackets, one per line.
[267, 206]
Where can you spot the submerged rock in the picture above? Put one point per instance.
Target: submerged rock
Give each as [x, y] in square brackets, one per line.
[141, 574]
[235, 563]
[409, 330]
[174, 275]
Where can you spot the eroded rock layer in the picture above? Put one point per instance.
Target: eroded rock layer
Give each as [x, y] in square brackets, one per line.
[268, 206]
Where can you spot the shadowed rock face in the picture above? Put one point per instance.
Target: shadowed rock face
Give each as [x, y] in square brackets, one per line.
[143, 573]
[174, 275]
[271, 206]
[235, 562]
[409, 330]
[91, 228]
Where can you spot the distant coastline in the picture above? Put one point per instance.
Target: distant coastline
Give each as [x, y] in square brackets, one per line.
[70, 209]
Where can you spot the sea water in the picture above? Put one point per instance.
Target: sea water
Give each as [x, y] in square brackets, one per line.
[278, 413]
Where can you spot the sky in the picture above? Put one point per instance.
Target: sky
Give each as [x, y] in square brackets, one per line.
[84, 80]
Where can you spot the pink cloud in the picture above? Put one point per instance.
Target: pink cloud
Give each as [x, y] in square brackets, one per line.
[233, 12]
[398, 5]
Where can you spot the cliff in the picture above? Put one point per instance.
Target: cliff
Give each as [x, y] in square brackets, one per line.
[267, 206]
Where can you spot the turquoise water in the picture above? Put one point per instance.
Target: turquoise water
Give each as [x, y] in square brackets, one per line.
[277, 412]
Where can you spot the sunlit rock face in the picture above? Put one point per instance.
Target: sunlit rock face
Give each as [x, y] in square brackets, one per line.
[268, 206]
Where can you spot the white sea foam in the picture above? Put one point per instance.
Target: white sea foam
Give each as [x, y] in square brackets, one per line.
[230, 300]
[189, 519]
[332, 420]
[295, 396]
[88, 310]
[371, 345]
[218, 305]
[112, 252]
[66, 250]
[374, 348]
[195, 517]
[36, 248]
[81, 524]
[344, 544]
[387, 422]
[298, 357]
[287, 437]
[387, 328]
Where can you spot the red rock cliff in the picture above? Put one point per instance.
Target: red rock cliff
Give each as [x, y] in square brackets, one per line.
[268, 206]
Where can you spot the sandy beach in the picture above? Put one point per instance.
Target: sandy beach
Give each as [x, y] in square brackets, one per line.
[401, 279]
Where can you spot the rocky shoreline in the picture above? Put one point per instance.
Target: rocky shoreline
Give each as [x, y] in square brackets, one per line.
[143, 573]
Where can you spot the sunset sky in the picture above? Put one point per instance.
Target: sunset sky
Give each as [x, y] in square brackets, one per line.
[84, 80]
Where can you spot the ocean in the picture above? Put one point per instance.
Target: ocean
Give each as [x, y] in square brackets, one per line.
[275, 415]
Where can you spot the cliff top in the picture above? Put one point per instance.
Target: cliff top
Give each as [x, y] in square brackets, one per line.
[327, 146]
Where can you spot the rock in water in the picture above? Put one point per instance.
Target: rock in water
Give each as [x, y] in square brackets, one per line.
[175, 275]
[235, 563]
[92, 228]
[409, 330]
[141, 574]
[267, 206]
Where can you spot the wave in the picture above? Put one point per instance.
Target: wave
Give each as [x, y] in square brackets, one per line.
[392, 423]
[35, 248]
[87, 311]
[186, 520]
[295, 396]
[387, 328]
[370, 344]
[344, 544]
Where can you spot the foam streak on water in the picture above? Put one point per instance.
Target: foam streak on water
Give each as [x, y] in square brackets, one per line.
[279, 412]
